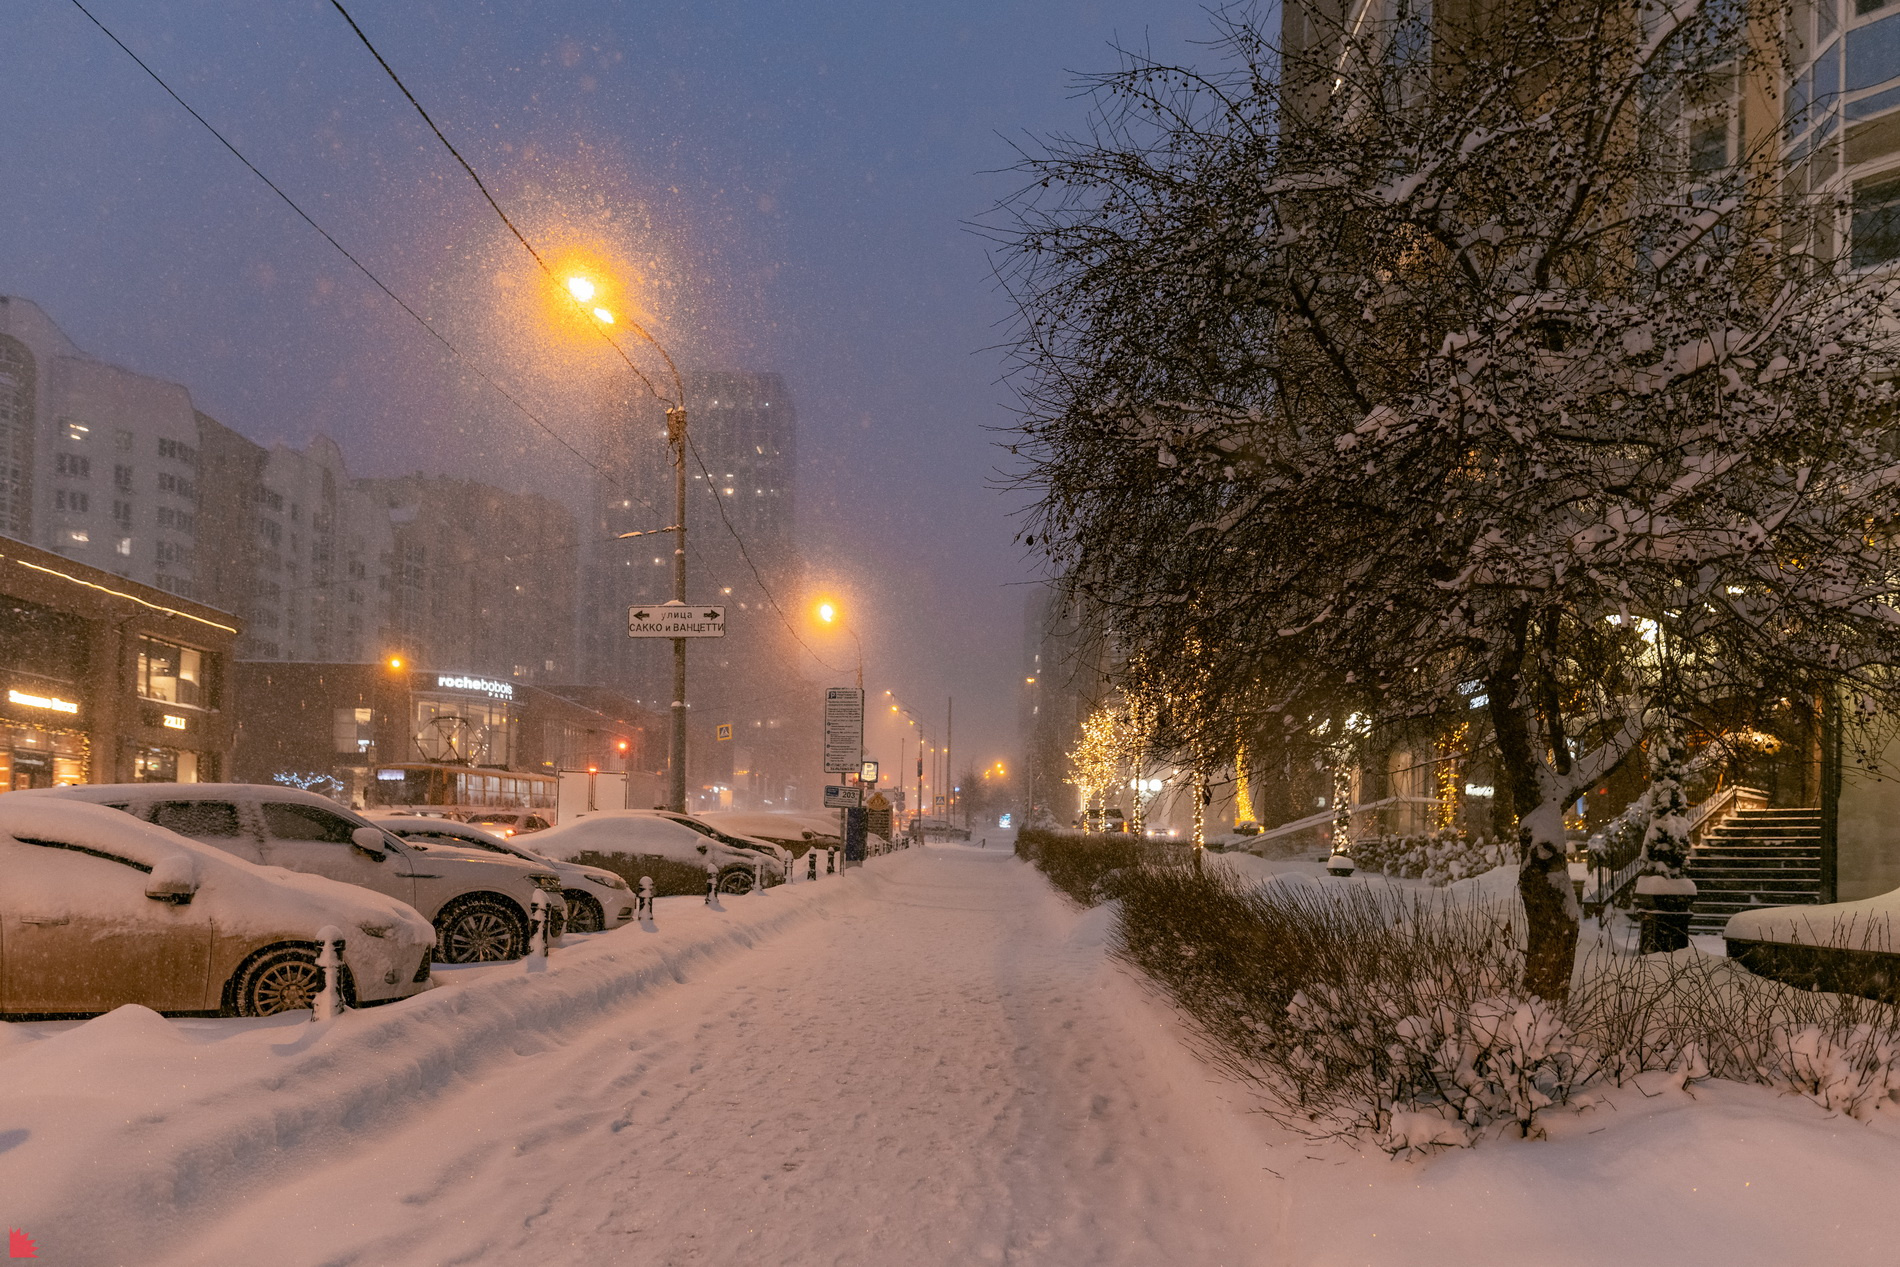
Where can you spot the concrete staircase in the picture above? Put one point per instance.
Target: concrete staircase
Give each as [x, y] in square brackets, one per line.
[1755, 857]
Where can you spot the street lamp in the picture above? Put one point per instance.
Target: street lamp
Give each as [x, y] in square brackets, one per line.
[827, 613]
[583, 290]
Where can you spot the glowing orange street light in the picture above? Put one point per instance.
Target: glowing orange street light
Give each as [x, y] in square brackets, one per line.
[395, 662]
[580, 288]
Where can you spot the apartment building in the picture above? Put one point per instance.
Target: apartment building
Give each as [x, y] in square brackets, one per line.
[100, 462]
[478, 578]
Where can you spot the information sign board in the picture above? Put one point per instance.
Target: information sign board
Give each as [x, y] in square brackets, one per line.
[844, 729]
[843, 796]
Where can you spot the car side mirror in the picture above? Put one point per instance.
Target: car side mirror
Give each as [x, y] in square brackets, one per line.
[370, 840]
[701, 848]
[173, 879]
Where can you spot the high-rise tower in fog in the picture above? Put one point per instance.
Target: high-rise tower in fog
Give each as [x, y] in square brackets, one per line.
[740, 488]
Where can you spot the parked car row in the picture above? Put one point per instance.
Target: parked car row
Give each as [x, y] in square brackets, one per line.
[207, 898]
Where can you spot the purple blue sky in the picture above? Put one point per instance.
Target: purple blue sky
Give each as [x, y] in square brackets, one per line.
[779, 186]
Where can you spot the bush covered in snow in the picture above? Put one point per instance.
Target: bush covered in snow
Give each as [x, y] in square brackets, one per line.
[1400, 1017]
[1086, 865]
[1438, 857]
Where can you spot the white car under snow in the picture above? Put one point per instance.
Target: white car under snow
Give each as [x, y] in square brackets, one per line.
[98, 910]
[479, 902]
[597, 899]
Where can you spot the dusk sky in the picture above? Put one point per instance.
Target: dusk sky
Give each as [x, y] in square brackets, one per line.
[776, 186]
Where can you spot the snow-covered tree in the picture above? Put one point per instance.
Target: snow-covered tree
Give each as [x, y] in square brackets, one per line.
[1414, 365]
[1666, 839]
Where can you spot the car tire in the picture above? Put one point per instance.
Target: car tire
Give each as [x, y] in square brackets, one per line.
[480, 929]
[584, 914]
[735, 881]
[282, 979]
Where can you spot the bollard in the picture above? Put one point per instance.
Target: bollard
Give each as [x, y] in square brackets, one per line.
[831, 861]
[787, 866]
[643, 904]
[811, 861]
[758, 874]
[538, 925]
[328, 1005]
[712, 885]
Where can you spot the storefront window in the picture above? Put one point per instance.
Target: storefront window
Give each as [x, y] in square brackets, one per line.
[41, 758]
[352, 731]
[463, 731]
[165, 765]
[173, 674]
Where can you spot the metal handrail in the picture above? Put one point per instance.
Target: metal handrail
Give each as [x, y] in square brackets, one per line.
[1326, 816]
[1708, 815]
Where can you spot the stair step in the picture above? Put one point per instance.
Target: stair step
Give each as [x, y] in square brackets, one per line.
[1772, 879]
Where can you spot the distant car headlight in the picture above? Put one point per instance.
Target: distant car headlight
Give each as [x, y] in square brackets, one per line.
[546, 883]
[610, 882]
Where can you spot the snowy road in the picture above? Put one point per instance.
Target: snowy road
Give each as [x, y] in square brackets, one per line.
[944, 1072]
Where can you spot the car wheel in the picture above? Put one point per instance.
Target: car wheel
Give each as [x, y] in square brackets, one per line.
[282, 979]
[480, 930]
[735, 880]
[583, 913]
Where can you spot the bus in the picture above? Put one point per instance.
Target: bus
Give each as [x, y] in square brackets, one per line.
[457, 790]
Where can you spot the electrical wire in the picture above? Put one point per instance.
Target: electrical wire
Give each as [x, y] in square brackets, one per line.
[519, 235]
[366, 271]
[528, 246]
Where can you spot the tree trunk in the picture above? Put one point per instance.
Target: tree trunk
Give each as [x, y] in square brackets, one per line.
[1551, 918]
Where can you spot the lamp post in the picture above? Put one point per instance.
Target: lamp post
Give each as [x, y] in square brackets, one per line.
[676, 774]
[583, 290]
[828, 614]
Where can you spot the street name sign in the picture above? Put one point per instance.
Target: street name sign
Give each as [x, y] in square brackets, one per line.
[843, 796]
[844, 729]
[676, 620]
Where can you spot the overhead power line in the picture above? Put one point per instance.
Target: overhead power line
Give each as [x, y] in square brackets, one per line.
[460, 356]
[519, 235]
[529, 247]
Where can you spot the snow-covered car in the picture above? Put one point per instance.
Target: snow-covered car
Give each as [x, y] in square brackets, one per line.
[630, 841]
[1840, 947]
[510, 822]
[479, 902]
[945, 829]
[597, 899]
[779, 854]
[790, 830]
[98, 910]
